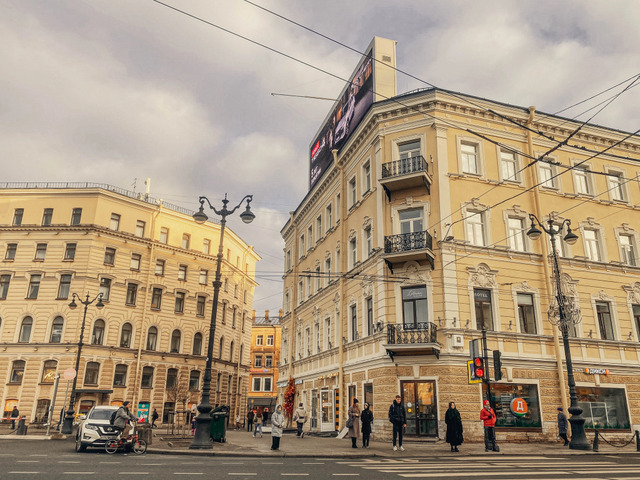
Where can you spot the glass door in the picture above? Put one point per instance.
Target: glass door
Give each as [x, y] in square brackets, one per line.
[314, 410]
[419, 400]
[327, 411]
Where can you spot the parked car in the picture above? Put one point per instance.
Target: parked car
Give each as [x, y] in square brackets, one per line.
[95, 429]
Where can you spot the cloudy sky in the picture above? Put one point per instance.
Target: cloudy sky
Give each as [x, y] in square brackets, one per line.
[117, 90]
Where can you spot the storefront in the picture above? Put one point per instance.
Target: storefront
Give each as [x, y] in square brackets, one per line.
[419, 398]
[516, 405]
[604, 408]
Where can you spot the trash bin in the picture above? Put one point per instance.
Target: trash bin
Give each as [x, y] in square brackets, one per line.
[219, 417]
[22, 427]
[144, 432]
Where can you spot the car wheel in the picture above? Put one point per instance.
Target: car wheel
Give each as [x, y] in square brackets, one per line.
[79, 446]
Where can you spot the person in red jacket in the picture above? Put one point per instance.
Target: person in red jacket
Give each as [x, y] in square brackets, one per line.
[488, 416]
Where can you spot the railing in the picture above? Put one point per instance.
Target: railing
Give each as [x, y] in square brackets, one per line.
[405, 242]
[404, 166]
[406, 334]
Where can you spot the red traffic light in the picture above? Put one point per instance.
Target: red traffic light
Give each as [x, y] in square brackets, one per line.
[477, 362]
[479, 372]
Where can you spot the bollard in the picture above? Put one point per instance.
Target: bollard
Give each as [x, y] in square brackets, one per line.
[595, 442]
[22, 428]
[637, 441]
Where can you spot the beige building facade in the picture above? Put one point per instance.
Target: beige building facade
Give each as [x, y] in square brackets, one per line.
[415, 237]
[154, 266]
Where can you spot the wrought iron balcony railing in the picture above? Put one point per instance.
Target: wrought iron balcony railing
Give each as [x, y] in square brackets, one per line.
[405, 242]
[404, 166]
[420, 333]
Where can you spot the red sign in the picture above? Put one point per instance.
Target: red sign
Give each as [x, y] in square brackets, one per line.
[519, 407]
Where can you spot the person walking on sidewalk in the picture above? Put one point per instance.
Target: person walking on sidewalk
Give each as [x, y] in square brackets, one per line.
[300, 417]
[250, 417]
[15, 413]
[488, 416]
[367, 419]
[257, 422]
[454, 427]
[563, 426]
[154, 418]
[353, 423]
[277, 424]
[398, 418]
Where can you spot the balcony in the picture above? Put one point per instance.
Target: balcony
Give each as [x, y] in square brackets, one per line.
[405, 173]
[412, 339]
[408, 246]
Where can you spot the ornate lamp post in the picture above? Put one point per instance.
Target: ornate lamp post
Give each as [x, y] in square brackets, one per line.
[67, 426]
[202, 437]
[564, 314]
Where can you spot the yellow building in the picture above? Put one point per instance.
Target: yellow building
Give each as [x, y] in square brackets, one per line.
[414, 236]
[265, 356]
[154, 266]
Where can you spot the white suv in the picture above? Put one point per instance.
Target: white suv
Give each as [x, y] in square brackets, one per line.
[95, 430]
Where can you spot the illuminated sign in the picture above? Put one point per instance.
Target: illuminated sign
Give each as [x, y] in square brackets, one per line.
[519, 407]
[596, 371]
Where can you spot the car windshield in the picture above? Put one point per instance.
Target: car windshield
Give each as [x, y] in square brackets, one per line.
[101, 414]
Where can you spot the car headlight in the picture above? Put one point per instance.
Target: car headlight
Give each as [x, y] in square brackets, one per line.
[91, 427]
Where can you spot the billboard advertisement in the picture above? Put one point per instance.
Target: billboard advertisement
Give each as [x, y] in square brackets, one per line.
[347, 113]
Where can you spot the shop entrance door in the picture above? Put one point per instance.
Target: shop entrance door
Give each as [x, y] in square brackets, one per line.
[327, 411]
[419, 400]
[314, 410]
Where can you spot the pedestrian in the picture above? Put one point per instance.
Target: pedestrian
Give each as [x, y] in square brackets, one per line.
[265, 416]
[300, 417]
[353, 423]
[250, 416]
[454, 427]
[277, 424]
[367, 419]
[238, 426]
[154, 417]
[563, 426]
[257, 422]
[15, 413]
[488, 416]
[193, 425]
[398, 419]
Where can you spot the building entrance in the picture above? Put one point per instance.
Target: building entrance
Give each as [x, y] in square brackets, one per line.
[419, 398]
[327, 411]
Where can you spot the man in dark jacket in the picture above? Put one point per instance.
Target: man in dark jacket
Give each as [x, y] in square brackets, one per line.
[563, 426]
[250, 416]
[15, 413]
[398, 419]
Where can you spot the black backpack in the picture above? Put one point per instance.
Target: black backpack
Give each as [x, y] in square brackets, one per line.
[112, 419]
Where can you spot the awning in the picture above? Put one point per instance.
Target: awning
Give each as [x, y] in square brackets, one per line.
[262, 402]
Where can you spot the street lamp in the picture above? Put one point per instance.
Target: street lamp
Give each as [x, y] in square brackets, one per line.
[563, 315]
[67, 426]
[202, 436]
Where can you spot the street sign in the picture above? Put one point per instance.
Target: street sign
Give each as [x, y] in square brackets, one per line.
[69, 374]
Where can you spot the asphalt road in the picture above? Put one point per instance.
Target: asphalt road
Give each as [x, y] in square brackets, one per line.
[56, 459]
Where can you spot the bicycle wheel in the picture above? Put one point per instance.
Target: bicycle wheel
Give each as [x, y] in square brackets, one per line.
[139, 447]
[111, 446]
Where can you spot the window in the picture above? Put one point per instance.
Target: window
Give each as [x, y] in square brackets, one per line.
[484, 311]
[259, 340]
[547, 172]
[353, 192]
[221, 347]
[152, 338]
[47, 216]
[160, 267]
[300, 292]
[592, 244]
[353, 252]
[267, 384]
[97, 336]
[41, 251]
[409, 149]
[5, 280]
[156, 299]
[526, 314]
[11, 251]
[185, 241]
[616, 187]
[224, 313]
[233, 317]
[369, 309]
[206, 246]
[410, 220]
[64, 287]
[243, 321]
[132, 294]
[70, 251]
[368, 241]
[105, 288]
[318, 279]
[328, 217]
[309, 283]
[34, 286]
[91, 373]
[628, 250]
[509, 167]
[56, 330]
[301, 247]
[164, 235]
[140, 228]
[76, 216]
[194, 380]
[200, 303]
[366, 176]
[25, 330]
[172, 378]
[204, 277]
[354, 322]
[182, 272]
[327, 329]
[604, 408]
[636, 318]
[582, 181]
[310, 237]
[605, 322]
[504, 393]
[327, 268]
[318, 228]
[125, 335]
[197, 344]
[179, 307]
[17, 372]
[135, 261]
[120, 376]
[475, 228]
[49, 371]
[257, 383]
[469, 156]
[114, 223]
[516, 233]
[231, 346]
[270, 340]
[287, 261]
[414, 306]
[257, 361]
[338, 205]
[17, 216]
[109, 256]
[147, 377]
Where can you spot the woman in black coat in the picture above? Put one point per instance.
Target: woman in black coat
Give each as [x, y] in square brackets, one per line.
[367, 419]
[454, 427]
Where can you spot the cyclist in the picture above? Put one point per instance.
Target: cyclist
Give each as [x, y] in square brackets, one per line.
[121, 422]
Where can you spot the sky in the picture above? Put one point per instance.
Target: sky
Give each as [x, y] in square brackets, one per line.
[117, 91]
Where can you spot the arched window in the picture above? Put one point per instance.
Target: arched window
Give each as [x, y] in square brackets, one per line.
[120, 376]
[147, 376]
[56, 330]
[125, 335]
[231, 351]
[172, 378]
[194, 380]
[98, 332]
[221, 347]
[49, 371]
[91, 373]
[17, 372]
[152, 338]
[25, 330]
[197, 344]
[175, 341]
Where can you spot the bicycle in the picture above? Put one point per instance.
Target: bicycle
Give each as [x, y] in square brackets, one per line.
[138, 446]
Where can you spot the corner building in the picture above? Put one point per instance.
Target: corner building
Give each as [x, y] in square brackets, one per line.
[415, 236]
[265, 356]
[154, 266]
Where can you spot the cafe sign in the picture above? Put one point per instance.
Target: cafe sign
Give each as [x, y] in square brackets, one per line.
[596, 371]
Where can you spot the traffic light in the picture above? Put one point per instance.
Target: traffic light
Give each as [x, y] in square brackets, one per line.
[497, 365]
[478, 367]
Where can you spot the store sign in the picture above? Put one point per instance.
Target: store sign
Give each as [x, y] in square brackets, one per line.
[519, 407]
[282, 384]
[596, 371]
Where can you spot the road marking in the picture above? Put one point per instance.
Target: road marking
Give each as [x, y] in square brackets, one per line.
[79, 473]
[28, 461]
[25, 473]
[239, 473]
[133, 473]
[272, 463]
[111, 463]
[294, 474]
[346, 474]
[191, 463]
[68, 461]
[39, 455]
[312, 463]
[188, 473]
[228, 463]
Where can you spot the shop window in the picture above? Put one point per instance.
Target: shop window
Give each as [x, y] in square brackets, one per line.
[502, 396]
[197, 344]
[147, 377]
[484, 310]
[526, 313]
[604, 408]
[91, 373]
[120, 376]
[168, 412]
[49, 371]
[42, 410]
[605, 322]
